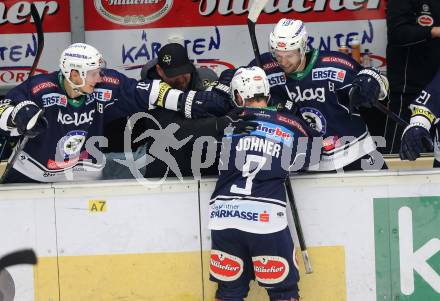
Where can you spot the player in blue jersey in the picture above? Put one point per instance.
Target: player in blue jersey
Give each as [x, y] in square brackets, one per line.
[250, 237]
[318, 84]
[65, 112]
[425, 110]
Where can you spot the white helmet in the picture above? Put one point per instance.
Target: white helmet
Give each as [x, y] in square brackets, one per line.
[81, 57]
[249, 82]
[289, 35]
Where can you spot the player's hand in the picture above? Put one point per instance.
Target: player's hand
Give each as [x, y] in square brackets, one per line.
[415, 140]
[222, 86]
[236, 123]
[226, 76]
[28, 118]
[368, 87]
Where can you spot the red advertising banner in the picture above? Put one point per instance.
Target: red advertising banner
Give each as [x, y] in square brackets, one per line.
[15, 16]
[133, 14]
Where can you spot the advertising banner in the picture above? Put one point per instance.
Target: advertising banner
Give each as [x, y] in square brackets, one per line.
[18, 38]
[130, 33]
[370, 236]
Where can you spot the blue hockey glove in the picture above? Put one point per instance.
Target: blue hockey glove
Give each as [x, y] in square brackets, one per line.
[28, 118]
[226, 76]
[236, 123]
[415, 140]
[368, 87]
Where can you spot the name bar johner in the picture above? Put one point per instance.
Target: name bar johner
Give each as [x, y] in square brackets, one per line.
[237, 7]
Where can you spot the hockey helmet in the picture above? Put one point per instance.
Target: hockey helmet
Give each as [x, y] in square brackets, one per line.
[81, 57]
[249, 82]
[289, 35]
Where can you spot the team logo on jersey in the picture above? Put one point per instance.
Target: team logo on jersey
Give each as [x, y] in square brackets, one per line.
[315, 119]
[331, 73]
[54, 99]
[317, 94]
[270, 269]
[276, 79]
[425, 20]
[133, 13]
[71, 144]
[224, 266]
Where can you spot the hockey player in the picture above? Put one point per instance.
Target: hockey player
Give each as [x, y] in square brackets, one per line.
[416, 137]
[65, 111]
[317, 84]
[250, 237]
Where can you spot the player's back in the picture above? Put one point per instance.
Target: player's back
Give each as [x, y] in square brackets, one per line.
[249, 194]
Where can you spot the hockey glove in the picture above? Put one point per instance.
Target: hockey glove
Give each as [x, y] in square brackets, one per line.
[226, 76]
[236, 123]
[368, 87]
[415, 140]
[222, 86]
[28, 118]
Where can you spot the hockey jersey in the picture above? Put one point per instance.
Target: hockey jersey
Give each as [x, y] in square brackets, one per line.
[249, 194]
[70, 148]
[320, 94]
[426, 109]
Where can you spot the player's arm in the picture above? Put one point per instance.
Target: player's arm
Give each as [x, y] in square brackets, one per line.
[20, 115]
[356, 86]
[137, 96]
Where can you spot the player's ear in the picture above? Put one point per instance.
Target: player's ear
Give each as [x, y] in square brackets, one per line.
[160, 71]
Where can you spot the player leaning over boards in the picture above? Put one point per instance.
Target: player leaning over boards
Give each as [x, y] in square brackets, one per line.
[250, 237]
[318, 84]
[65, 111]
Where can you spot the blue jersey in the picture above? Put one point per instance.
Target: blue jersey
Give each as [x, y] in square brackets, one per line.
[68, 148]
[426, 109]
[427, 103]
[320, 94]
[250, 194]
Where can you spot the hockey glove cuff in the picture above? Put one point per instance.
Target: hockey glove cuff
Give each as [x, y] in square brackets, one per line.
[202, 104]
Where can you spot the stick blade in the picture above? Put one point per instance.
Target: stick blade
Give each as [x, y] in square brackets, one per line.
[255, 9]
[26, 256]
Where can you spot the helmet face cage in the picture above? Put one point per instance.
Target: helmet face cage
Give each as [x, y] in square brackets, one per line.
[288, 35]
[249, 83]
[81, 57]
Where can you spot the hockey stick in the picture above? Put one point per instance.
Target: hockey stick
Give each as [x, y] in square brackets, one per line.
[40, 45]
[298, 228]
[40, 38]
[26, 256]
[396, 118]
[254, 12]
